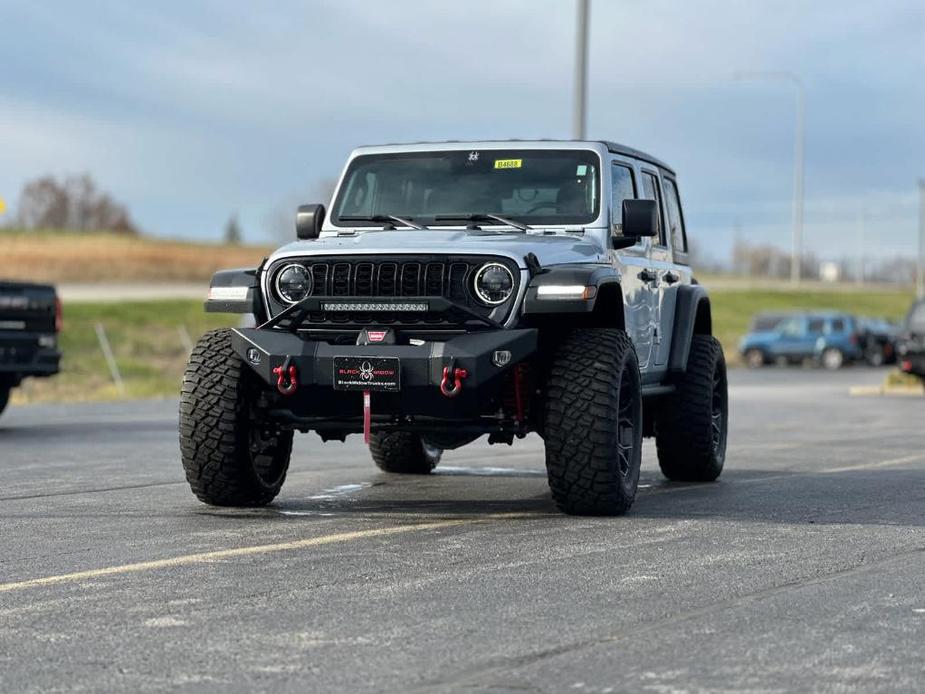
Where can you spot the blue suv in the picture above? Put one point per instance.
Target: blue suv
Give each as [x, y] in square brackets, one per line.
[829, 339]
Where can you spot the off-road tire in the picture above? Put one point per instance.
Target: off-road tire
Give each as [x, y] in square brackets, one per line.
[691, 425]
[593, 423]
[404, 453]
[4, 397]
[232, 455]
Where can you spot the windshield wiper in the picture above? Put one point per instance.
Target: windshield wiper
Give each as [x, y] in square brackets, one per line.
[389, 220]
[484, 217]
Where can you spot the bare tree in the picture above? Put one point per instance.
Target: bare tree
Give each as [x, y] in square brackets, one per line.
[42, 203]
[280, 221]
[759, 260]
[763, 260]
[233, 233]
[72, 203]
[323, 190]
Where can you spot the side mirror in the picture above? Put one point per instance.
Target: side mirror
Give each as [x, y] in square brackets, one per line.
[640, 218]
[308, 221]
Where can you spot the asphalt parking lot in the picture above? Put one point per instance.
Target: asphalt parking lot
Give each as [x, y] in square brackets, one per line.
[802, 568]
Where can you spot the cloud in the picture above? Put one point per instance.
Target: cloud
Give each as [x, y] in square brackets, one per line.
[193, 110]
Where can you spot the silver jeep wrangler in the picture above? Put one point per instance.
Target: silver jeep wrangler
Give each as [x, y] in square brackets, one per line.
[459, 289]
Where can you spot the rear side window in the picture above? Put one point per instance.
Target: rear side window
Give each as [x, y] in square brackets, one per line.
[816, 325]
[650, 191]
[623, 187]
[838, 325]
[675, 218]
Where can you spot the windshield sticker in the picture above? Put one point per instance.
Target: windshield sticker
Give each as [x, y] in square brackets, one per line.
[582, 170]
[473, 156]
[508, 163]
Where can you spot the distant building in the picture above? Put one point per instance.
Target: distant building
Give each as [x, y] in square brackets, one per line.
[829, 272]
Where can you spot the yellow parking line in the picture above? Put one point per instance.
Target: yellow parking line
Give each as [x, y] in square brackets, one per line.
[882, 463]
[217, 555]
[205, 557]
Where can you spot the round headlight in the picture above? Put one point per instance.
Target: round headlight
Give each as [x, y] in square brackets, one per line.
[493, 284]
[293, 283]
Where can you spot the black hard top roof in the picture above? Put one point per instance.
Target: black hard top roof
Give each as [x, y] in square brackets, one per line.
[611, 147]
[635, 154]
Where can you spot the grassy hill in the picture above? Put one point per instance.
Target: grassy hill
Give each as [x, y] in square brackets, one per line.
[56, 256]
[148, 342]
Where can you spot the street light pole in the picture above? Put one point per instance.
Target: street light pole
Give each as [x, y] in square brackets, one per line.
[920, 271]
[579, 107]
[796, 251]
[796, 268]
[862, 230]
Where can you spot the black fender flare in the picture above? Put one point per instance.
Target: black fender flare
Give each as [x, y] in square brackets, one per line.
[692, 316]
[234, 291]
[600, 277]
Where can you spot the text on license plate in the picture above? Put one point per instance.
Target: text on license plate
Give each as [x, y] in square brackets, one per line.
[367, 373]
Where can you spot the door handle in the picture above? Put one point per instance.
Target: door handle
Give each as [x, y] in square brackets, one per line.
[671, 277]
[648, 275]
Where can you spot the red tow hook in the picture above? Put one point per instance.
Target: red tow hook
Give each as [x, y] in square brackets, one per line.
[452, 390]
[287, 378]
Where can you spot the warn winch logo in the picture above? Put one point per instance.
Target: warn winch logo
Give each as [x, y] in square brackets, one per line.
[376, 335]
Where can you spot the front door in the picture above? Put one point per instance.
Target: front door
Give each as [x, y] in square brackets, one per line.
[640, 296]
[794, 339]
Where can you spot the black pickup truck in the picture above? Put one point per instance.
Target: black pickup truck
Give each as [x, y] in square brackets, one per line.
[30, 318]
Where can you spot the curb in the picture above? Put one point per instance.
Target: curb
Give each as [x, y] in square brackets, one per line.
[883, 390]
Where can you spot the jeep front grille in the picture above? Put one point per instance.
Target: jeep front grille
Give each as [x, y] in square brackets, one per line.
[391, 278]
[359, 277]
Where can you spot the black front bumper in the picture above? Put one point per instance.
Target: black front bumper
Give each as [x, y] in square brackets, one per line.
[23, 354]
[422, 369]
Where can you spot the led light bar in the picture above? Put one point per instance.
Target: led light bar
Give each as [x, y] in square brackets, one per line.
[564, 291]
[373, 307]
[228, 293]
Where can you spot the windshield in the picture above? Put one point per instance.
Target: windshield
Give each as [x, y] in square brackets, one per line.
[545, 187]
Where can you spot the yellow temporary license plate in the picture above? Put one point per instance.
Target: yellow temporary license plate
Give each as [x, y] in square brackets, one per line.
[508, 163]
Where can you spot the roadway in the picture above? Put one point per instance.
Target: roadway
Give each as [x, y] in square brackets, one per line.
[802, 568]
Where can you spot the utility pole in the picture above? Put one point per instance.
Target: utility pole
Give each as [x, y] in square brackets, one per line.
[796, 268]
[862, 224]
[579, 107]
[920, 273]
[796, 245]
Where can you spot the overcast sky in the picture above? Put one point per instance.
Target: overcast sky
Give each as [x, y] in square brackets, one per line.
[187, 111]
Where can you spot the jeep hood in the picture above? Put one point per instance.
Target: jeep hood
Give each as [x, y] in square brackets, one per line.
[549, 249]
